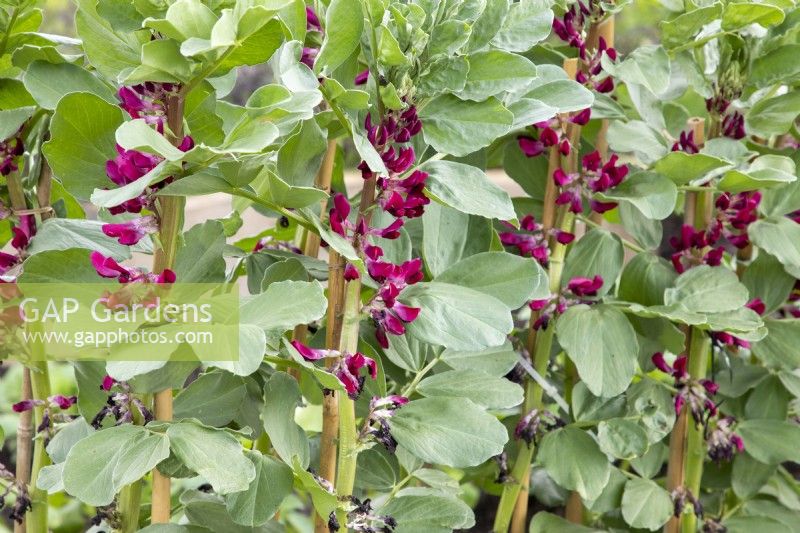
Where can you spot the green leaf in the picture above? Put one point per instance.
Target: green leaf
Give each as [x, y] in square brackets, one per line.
[527, 23]
[766, 278]
[259, 503]
[109, 51]
[706, 289]
[655, 407]
[587, 470]
[448, 431]
[81, 141]
[65, 233]
[511, 279]
[445, 74]
[495, 361]
[344, 22]
[445, 241]
[487, 391]
[749, 475]
[284, 305]
[773, 116]
[684, 27]
[544, 522]
[740, 14]
[60, 266]
[648, 66]
[494, 72]
[449, 310]
[645, 278]
[458, 127]
[599, 252]
[281, 398]
[98, 466]
[637, 137]
[11, 120]
[621, 438]
[780, 238]
[185, 19]
[213, 399]
[779, 347]
[563, 94]
[468, 189]
[200, 259]
[770, 441]
[651, 193]
[48, 83]
[448, 37]
[683, 168]
[781, 64]
[764, 172]
[602, 344]
[769, 399]
[214, 454]
[428, 510]
[646, 505]
[487, 24]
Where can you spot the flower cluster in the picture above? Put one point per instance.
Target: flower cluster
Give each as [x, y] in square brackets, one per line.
[596, 177]
[360, 517]
[122, 404]
[686, 143]
[722, 442]
[22, 502]
[696, 394]
[107, 267]
[52, 414]
[734, 213]
[732, 120]
[312, 25]
[347, 367]
[401, 197]
[681, 497]
[535, 424]
[532, 240]
[21, 239]
[578, 291]
[10, 150]
[376, 424]
[570, 28]
[146, 101]
[551, 133]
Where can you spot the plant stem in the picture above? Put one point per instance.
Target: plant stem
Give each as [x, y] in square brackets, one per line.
[699, 352]
[40, 388]
[521, 469]
[330, 401]
[170, 210]
[130, 500]
[24, 441]
[348, 439]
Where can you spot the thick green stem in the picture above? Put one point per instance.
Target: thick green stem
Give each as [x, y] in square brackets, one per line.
[699, 350]
[533, 400]
[130, 502]
[40, 386]
[348, 438]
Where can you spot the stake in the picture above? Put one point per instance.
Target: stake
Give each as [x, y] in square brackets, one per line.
[171, 217]
[681, 455]
[330, 402]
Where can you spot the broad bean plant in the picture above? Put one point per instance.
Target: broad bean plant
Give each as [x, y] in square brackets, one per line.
[615, 348]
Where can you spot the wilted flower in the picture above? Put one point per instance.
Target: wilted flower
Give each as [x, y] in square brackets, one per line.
[681, 497]
[122, 405]
[376, 424]
[694, 393]
[536, 423]
[722, 442]
[10, 150]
